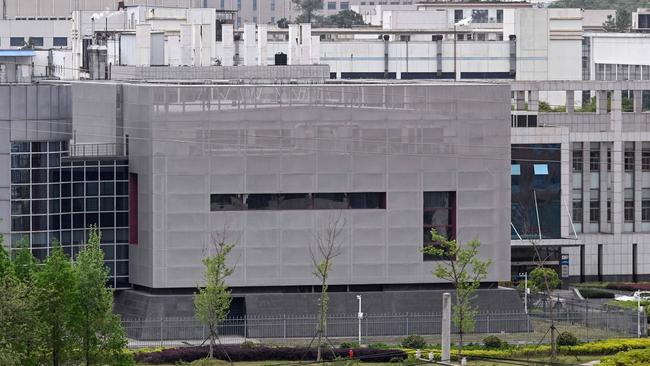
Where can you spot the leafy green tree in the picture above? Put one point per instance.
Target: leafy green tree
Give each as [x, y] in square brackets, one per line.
[55, 292]
[307, 9]
[539, 276]
[344, 19]
[25, 263]
[6, 267]
[213, 300]
[17, 322]
[461, 266]
[98, 329]
[628, 5]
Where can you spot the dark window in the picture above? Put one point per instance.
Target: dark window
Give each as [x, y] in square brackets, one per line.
[20, 192]
[92, 204]
[17, 41]
[499, 16]
[19, 176]
[55, 206]
[106, 204]
[107, 219]
[60, 42]
[78, 221]
[479, 16]
[576, 151]
[107, 173]
[55, 190]
[645, 156]
[20, 208]
[20, 161]
[372, 200]
[645, 210]
[594, 157]
[628, 156]
[262, 201]
[39, 160]
[92, 189]
[78, 204]
[92, 219]
[66, 205]
[66, 190]
[439, 214]
[54, 222]
[39, 207]
[91, 173]
[458, 16]
[295, 201]
[66, 222]
[78, 174]
[106, 188]
[121, 203]
[77, 189]
[20, 223]
[331, 201]
[594, 211]
[39, 223]
[577, 212]
[19, 147]
[331, 5]
[39, 191]
[121, 188]
[121, 219]
[609, 211]
[39, 175]
[36, 41]
[644, 21]
[628, 211]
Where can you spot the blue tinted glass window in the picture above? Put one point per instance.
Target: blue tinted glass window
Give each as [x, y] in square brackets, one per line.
[541, 169]
[515, 169]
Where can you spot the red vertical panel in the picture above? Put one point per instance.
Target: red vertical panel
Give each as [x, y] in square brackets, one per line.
[133, 208]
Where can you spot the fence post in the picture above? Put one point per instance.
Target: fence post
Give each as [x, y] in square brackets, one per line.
[407, 325]
[284, 326]
[161, 331]
[245, 327]
[488, 323]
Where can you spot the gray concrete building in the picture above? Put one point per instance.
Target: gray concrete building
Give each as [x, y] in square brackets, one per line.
[269, 166]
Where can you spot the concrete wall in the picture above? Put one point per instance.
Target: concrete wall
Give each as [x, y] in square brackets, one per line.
[198, 140]
[248, 74]
[28, 113]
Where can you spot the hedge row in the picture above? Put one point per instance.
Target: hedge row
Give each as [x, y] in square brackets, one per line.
[607, 347]
[595, 293]
[628, 286]
[635, 357]
[264, 353]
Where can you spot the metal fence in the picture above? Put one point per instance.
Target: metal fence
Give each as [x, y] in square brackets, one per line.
[516, 327]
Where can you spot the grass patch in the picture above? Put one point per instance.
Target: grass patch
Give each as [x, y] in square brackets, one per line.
[627, 304]
[595, 293]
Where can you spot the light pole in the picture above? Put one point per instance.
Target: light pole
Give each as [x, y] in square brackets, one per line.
[638, 313]
[359, 316]
[526, 291]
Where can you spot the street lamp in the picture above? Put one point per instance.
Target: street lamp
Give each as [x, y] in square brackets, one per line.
[359, 316]
[526, 290]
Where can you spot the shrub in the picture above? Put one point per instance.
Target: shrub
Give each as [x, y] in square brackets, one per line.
[635, 357]
[414, 341]
[248, 345]
[567, 339]
[537, 278]
[627, 286]
[594, 293]
[378, 345]
[262, 353]
[349, 345]
[492, 342]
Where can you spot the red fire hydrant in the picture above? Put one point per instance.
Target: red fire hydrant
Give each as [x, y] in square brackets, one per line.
[351, 353]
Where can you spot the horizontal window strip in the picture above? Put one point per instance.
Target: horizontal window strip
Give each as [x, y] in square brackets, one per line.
[297, 201]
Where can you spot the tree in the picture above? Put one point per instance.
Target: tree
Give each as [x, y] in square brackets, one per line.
[344, 19]
[213, 300]
[620, 23]
[327, 247]
[462, 267]
[283, 23]
[54, 295]
[25, 263]
[540, 275]
[307, 9]
[99, 330]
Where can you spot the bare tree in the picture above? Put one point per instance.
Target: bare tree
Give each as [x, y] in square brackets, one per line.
[327, 247]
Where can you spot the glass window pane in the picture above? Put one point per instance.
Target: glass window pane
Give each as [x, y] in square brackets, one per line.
[106, 204]
[92, 219]
[541, 169]
[92, 204]
[515, 169]
[262, 202]
[92, 189]
[20, 208]
[78, 204]
[121, 219]
[294, 201]
[107, 219]
[121, 188]
[20, 223]
[122, 235]
[39, 160]
[20, 192]
[20, 161]
[226, 202]
[39, 207]
[91, 173]
[39, 191]
[106, 188]
[331, 201]
[39, 223]
[55, 206]
[19, 176]
[77, 189]
[78, 221]
[121, 203]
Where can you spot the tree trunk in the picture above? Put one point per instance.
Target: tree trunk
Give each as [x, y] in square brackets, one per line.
[212, 343]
